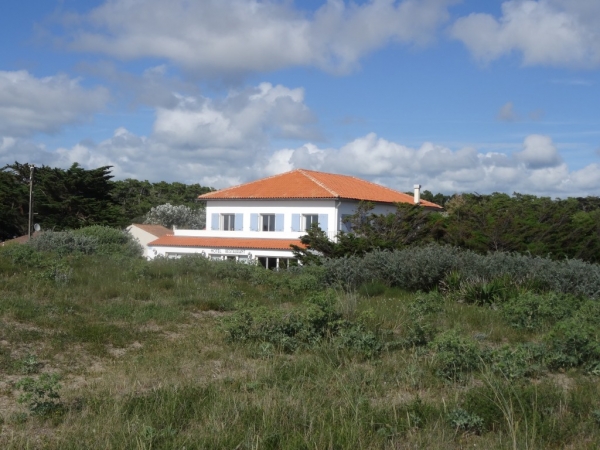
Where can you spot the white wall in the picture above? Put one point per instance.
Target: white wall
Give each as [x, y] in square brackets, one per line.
[143, 238]
[248, 207]
[209, 251]
[335, 210]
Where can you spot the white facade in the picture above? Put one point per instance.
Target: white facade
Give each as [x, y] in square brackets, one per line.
[291, 217]
[144, 237]
[264, 219]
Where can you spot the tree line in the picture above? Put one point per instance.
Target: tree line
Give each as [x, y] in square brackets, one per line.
[540, 226]
[76, 197]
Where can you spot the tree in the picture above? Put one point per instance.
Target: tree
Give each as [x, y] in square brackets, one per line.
[14, 204]
[180, 216]
[137, 197]
[408, 225]
[63, 199]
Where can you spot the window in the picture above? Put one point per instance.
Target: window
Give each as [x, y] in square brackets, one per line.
[268, 222]
[310, 220]
[346, 223]
[228, 221]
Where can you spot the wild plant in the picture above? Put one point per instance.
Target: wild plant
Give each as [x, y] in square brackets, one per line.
[41, 394]
[454, 355]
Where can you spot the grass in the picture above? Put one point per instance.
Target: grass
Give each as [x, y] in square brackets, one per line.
[144, 363]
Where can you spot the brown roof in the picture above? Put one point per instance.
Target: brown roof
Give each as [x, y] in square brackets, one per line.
[21, 239]
[156, 230]
[301, 184]
[218, 242]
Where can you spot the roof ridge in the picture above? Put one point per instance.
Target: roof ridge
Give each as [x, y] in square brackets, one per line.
[331, 191]
[249, 182]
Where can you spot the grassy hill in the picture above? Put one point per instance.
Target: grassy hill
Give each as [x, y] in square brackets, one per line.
[106, 350]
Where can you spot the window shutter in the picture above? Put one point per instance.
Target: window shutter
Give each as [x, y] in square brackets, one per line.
[278, 222]
[295, 222]
[214, 221]
[323, 222]
[239, 222]
[253, 222]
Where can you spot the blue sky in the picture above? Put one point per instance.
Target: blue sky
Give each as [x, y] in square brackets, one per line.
[458, 96]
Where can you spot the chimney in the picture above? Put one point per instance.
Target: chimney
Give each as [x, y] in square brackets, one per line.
[417, 188]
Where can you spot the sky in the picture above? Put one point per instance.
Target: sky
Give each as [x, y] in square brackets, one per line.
[458, 96]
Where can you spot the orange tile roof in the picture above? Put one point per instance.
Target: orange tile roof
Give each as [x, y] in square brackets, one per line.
[218, 242]
[302, 184]
[22, 239]
[156, 230]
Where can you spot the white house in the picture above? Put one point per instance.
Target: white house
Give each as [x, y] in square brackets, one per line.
[145, 234]
[261, 219]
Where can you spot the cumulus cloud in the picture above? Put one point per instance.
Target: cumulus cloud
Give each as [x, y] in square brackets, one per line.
[237, 126]
[538, 153]
[215, 141]
[238, 36]
[548, 32]
[29, 105]
[536, 169]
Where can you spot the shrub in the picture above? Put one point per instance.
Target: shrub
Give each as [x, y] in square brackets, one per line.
[481, 291]
[455, 355]
[420, 329]
[513, 362]
[532, 311]
[63, 243]
[22, 255]
[573, 343]
[41, 394]
[95, 239]
[111, 240]
[424, 268]
[464, 421]
[314, 322]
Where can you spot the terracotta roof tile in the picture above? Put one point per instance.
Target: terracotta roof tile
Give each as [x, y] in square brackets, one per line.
[22, 239]
[301, 183]
[217, 242]
[156, 230]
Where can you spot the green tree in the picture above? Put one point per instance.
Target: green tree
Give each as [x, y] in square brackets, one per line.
[65, 199]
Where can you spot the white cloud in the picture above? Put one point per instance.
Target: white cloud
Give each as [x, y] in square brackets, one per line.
[29, 105]
[537, 169]
[538, 152]
[239, 125]
[238, 36]
[215, 141]
[507, 113]
[549, 32]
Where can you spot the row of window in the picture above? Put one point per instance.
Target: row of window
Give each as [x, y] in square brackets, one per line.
[268, 222]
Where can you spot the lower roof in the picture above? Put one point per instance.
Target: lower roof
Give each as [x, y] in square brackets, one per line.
[224, 242]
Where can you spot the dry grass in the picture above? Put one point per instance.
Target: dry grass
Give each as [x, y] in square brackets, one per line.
[145, 364]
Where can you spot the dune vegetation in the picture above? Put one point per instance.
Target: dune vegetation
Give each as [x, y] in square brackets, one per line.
[430, 347]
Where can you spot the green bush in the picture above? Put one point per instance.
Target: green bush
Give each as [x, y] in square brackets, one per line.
[455, 355]
[514, 362]
[314, 322]
[532, 311]
[89, 240]
[464, 421]
[573, 343]
[425, 268]
[41, 394]
[22, 255]
[111, 240]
